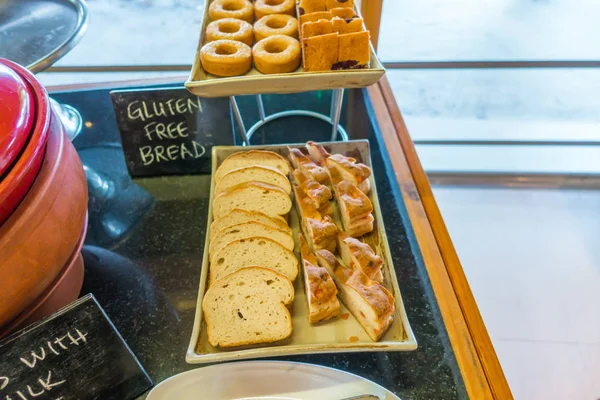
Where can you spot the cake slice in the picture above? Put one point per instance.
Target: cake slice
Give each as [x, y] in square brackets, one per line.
[354, 51]
[308, 167]
[343, 12]
[349, 25]
[248, 307]
[253, 157]
[247, 230]
[320, 53]
[316, 28]
[253, 251]
[237, 216]
[254, 173]
[311, 6]
[252, 196]
[346, 168]
[360, 256]
[369, 302]
[332, 4]
[319, 286]
[313, 16]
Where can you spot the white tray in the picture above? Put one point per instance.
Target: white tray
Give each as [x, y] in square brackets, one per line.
[327, 337]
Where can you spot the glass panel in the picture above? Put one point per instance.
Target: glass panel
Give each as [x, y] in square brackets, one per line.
[450, 30]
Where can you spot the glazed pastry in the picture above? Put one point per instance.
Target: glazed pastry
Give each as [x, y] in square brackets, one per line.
[230, 29]
[370, 302]
[346, 168]
[275, 24]
[354, 51]
[239, 9]
[344, 13]
[343, 26]
[319, 286]
[226, 58]
[360, 256]
[276, 54]
[311, 6]
[320, 53]
[309, 168]
[267, 7]
[331, 4]
[317, 28]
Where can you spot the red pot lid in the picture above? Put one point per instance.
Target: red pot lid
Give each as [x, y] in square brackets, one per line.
[16, 118]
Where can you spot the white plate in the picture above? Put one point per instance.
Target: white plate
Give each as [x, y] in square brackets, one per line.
[273, 380]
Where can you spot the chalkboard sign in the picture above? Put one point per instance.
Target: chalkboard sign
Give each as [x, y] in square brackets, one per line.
[75, 354]
[170, 131]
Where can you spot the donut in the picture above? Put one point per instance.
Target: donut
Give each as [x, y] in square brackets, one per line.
[238, 9]
[230, 29]
[275, 24]
[276, 54]
[226, 57]
[266, 7]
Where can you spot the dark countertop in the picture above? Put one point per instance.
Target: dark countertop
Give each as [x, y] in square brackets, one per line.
[145, 242]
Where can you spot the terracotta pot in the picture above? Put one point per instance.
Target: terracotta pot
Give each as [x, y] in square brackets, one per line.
[62, 291]
[41, 234]
[20, 175]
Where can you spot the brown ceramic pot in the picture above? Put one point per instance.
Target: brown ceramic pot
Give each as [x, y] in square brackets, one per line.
[40, 236]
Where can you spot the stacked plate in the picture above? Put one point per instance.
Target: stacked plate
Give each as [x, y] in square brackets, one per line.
[43, 203]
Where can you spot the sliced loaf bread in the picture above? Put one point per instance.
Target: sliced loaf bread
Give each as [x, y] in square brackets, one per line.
[255, 173]
[253, 251]
[359, 255]
[248, 307]
[253, 196]
[247, 230]
[253, 157]
[237, 216]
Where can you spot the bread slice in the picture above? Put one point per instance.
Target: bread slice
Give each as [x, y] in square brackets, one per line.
[346, 168]
[319, 287]
[360, 256]
[254, 173]
[253, 157]
[248, 230]
[253, 196]
[371, 304]
[321, 231]
[248, 307]
[237, 216]
[253, 251]
[309, 168]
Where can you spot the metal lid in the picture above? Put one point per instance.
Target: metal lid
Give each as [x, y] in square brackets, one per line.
[16, 118]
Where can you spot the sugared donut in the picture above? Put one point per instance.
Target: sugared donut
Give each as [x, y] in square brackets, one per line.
[239, 9]
[267, 7]
[226, 57]
[275, 24]
[276, 54]
[230, 29]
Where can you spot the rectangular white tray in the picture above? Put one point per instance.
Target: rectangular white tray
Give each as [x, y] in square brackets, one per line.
[204, 84]
[327, 337]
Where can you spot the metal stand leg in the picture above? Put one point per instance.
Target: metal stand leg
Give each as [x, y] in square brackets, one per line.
[337, 97]
[261, 107]
[238, 117]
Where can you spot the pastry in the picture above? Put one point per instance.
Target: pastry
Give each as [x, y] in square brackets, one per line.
[238, 9]
[309, 168]
[317, 153]
[320, 230]
[252, 196]
[319, 287]
[371, 304]
[226, 58]
[253, 157]
[267, 7]
[276, 54]
[248, 307]
[355, 209]
[359, 227]
[253, 251]
[346, 168]
[230, 29]
[319, 194]
[360, 256]
[255, 173]
[275, 24]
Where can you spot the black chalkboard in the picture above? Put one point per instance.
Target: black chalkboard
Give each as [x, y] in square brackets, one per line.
[170, 131]
[75, 354]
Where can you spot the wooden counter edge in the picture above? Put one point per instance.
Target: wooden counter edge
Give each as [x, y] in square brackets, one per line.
[421, 204]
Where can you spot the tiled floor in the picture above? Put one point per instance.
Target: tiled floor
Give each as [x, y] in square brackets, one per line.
[533, 262]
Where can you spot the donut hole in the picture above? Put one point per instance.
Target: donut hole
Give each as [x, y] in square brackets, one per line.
[273, 2]
[229, 27]
[233, 5]
[275, 47]
[225, 49]
[276, 23]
